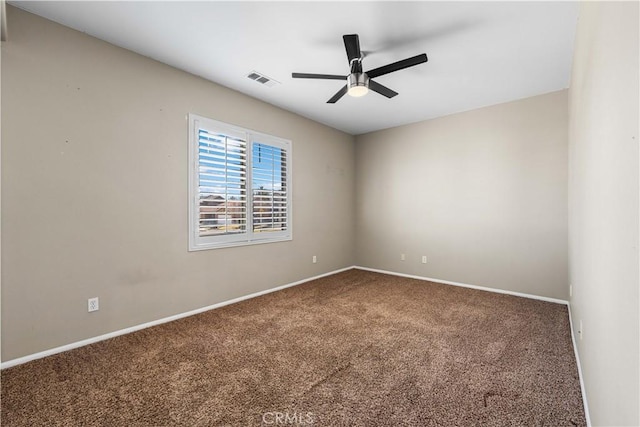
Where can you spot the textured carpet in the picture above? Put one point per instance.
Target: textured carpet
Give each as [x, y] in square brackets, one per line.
[356, 348]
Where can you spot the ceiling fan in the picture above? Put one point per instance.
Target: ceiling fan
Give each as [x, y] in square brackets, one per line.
[359, 82]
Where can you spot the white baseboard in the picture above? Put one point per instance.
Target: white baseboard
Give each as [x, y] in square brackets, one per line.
[582, 388]
[464, 285]
[39, 355]
[25, 359]
[56, 350]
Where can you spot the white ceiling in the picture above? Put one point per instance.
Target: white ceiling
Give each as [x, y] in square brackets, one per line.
[480, 53]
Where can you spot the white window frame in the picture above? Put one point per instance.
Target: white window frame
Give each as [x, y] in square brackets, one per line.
[197, 242]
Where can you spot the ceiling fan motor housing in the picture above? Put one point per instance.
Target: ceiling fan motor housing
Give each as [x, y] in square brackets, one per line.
[358, 84]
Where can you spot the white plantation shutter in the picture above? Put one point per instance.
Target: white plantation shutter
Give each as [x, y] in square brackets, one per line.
[222, 184]
[269, 188]
[224, 209]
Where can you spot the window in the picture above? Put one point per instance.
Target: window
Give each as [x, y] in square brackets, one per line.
[239, 186]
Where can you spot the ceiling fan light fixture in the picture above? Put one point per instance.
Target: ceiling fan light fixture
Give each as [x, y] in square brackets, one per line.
[358, 84]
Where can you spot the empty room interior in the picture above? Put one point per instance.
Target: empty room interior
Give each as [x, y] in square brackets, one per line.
[320, 213]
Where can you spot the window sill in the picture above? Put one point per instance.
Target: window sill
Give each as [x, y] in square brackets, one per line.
[207, 246]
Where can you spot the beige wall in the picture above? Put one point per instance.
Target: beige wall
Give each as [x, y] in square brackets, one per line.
[94, 196]
[603, 208]
[483, 194]
[94, 191]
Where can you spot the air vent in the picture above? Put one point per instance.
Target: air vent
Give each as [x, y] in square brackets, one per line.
[262, 79]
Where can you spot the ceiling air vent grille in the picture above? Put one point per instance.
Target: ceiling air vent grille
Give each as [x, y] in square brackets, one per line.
[262, 79]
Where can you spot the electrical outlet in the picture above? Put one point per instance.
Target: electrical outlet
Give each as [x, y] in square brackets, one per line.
[314, 259]
[424, 259]
[93, 304]
[402, 257]
[570, 291]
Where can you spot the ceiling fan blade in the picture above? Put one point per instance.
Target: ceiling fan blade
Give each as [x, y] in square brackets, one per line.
[352, 45]
[339, 94]
[382, 90]
[400, 65]
[317, 76]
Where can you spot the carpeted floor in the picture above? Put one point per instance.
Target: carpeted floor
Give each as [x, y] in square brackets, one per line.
[353, 349]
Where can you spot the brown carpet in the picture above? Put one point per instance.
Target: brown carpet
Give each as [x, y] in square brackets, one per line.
[353, 349]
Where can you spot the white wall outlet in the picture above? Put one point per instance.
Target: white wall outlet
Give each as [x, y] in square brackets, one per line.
[403, 257]
[424, 259]
[314, 259]
[570, 291]
[93, 304]
[580, 330]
